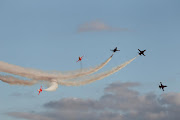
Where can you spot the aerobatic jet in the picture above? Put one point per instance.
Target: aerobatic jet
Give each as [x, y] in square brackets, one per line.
[80, 58]
[141, 52]
[161, 86]
[40, 90]
[115, 49]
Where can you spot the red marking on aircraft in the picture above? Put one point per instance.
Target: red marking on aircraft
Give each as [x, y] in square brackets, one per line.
[40, 90]
[80, 58]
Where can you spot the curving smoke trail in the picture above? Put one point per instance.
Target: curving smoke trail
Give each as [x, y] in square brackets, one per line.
[90, 79]
[53, 86]
[55, 81]
[24, 72]
[100, 76]
[15, 81]
[41, 75]
[87, 72]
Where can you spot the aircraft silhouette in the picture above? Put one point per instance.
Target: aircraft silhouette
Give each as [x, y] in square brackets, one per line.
[141, 52]
[80, 58]
[161, 86]
[40, 90]
[115, 49]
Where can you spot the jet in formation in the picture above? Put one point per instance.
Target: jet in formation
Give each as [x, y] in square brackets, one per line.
[115, 49]
[40, 90]
[141, 52]
[161, 86]
[80, 58]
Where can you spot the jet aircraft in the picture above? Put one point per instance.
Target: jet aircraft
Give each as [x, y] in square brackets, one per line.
[141, 52]
[161, 86]
[80, 58]
[115, 49]
[40, 90]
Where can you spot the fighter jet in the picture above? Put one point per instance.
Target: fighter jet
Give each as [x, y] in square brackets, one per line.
[161, 86]
[40, 90]
[80, 58]
[141, 52]
[115, 49]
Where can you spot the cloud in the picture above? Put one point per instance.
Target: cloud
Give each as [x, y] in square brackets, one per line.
[29, 116]
[171, 98]
[119, 102]
[98, 26]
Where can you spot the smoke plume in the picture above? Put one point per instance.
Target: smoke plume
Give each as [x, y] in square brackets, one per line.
[15, 81]
[90, 79]
[41, 75]
[57, 78]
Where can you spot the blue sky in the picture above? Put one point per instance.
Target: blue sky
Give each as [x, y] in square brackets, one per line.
[44, 35]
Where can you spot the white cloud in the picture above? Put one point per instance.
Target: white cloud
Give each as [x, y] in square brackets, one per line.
[119, 102]
[98, 26]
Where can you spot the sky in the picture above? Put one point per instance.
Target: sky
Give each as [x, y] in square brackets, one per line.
[51, 35]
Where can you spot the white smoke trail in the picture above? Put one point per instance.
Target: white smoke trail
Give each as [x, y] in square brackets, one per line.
[40, 75]
[100, 76]
[87, 72]
[24, 72]
[55, 82]
[53, 87]
[15, 81]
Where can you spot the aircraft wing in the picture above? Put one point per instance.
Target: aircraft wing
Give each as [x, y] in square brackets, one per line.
[161, 84]
[53, 87]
